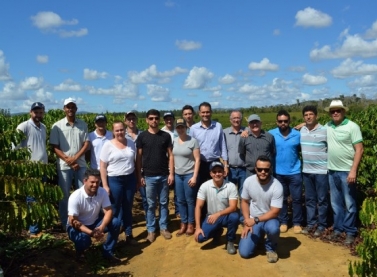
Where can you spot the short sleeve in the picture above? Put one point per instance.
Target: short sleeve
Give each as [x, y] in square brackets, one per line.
[54, 135]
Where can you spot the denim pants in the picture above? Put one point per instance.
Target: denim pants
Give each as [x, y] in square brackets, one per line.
[247, 245]
[144, 201]
[122, 192]
[186, 197]
[237, 176]
[230, 221]
[157, 188]
[34, 227]
[65, 182]
[343, 202]
[316, 195]
[83, 241]
[292, 184]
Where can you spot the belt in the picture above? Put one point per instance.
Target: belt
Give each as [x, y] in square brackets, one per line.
[237, 166]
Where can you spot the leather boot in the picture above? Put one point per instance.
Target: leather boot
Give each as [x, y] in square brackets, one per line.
[190, 229]
[182, 230]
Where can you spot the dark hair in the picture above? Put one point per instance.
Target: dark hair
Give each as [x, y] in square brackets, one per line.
[91, 172]
[283, 112]
[153, 112]
[263, 158]
[205, 104]
[188, 107]
[309, 109]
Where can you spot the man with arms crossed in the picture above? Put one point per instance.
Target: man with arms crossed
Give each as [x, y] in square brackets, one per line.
[263, 194]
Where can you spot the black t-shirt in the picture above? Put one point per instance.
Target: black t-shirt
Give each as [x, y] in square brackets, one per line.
[155, 159]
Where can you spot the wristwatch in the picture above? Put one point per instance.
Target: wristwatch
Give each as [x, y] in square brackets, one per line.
[256, 220]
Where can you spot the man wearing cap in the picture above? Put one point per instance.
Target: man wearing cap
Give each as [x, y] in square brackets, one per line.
[345, 149]
[255, 144]
[35, 132]
[221, 198]
[169, 124]
[211, 140]
[69, 139]
[97, 139]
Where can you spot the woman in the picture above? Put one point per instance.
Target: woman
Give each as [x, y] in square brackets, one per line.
[186, 163]
[117, 166]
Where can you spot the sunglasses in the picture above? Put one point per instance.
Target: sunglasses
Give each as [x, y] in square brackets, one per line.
[131, 119]
[335, 111]
[153, 118]
[283, 121]
[260, 169]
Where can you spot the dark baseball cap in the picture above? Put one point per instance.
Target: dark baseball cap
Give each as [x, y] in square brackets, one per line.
[100, 117]
[215, 164]
[37, 105]
[169, 114]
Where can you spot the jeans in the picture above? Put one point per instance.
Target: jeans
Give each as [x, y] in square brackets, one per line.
[343, 202]
[316, 194]
[65, 182]
[157, 188]
[237, 176]
[144, 202]
[292, 184]
[122, 192]
[247, 245]
[34, 227]
[83, 241]
[230, 221]
[186, 197]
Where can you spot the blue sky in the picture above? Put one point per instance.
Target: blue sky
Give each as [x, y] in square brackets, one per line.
[123, 55]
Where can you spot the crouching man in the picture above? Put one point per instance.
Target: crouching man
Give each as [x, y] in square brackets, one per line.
[85, 219]
[262, 199]
[221, 198]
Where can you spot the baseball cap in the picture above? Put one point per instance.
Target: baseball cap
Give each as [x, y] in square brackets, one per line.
[169, 114]
[180, 122]
[37, 105]
[131, 112]
[69, 100]
[253, 117]
[214, 164]
[100, 117]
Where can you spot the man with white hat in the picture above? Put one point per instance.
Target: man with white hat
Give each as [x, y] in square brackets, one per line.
[69, 140]
[345, 149]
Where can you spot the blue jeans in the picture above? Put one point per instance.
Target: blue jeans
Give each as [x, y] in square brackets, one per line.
[186, 197]
[83, 241]
[144, 201]
[316, 194]
[230, 221]
[157, 188]
[34, 227]
[237, 176]
[122, 192]
[343, 202]
[247, 245]
[292, 184]
[65, 182]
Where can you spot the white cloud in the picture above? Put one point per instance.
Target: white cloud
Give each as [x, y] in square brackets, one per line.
[42, 59]
[68, 85]
[188, 45]
[276, 32]
[12, 91]
[151, 73]
[215, 104]
[120, 91]
[170, 4]
[352, 68]
[158, 93]
[78, 33]
[90, 74]
[48, 20]
[227, 79]
[365, 81]
[31, 83]
[216, 94]
[198, 78]
[310, 17]
[372, 32]
[297, 68]
[313, 80]
[263, 65]
[4, 68]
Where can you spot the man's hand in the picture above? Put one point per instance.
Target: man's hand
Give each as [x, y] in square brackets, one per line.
[70, 160]
[351, 178]
[192, 182]
[198, 231]
[212, 218]
[107, 188]
[76, 224]
[249, 222]
[245, 231]
[141, 183]
[226, 171]
[245, 134]
[170, 179]
[98, 233]
[75, 166]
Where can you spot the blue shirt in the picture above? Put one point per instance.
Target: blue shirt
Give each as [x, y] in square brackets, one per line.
[287, 161]
[211, 141]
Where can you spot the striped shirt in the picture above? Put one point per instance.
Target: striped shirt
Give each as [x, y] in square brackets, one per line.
[314, 149]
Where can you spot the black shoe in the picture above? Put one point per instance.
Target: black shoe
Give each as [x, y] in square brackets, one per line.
[334, 236]
[307, 230]
[130, 240]
[230, 248]
[113, 260]
[319, 232]
[349, 240]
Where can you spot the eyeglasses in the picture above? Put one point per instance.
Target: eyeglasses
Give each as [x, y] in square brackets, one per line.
[283, 121]
[260, 169]
[153, 118]
[335, 111]
[236, 118]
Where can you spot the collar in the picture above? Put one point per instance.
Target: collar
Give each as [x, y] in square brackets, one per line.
[344, 122]
[66, 120]
[223, 186]
[262, 134]
[86, 195]
[239, 132]
[319, 126]
[34, 125]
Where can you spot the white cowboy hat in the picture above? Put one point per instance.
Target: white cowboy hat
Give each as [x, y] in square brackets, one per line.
[336, 104]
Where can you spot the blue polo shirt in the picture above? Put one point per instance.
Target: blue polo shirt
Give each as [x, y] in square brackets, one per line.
[287, 152]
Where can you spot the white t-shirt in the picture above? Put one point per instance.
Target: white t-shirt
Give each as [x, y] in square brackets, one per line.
[119, 161]
[96, 144]
[85, 207]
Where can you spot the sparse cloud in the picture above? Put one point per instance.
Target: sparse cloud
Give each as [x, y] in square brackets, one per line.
[297, 68]
[216, 94]
[310, 17]
[120, 91]
[158, 93]
[372, 31]
[151, 73]
[263, 65]
[4, 68]
[170, 4]
[90, 74]
[11, 91]
[198, 78]
[353, 68]
[68, 85]
[227, 79]
[78, 33]
[276, 32]
[313, 80]
[188, 45]
[31, 83]
[364, 81]
[42, 59]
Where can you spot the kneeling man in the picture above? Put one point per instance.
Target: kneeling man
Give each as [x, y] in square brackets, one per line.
[221, 198]
[262, 199]
[85, 219]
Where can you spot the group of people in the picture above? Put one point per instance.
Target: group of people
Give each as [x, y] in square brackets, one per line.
[211, 169]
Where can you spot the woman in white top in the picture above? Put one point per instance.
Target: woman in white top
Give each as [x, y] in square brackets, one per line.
[117, 166]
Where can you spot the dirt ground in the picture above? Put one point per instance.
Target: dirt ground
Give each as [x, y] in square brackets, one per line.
[182, 256]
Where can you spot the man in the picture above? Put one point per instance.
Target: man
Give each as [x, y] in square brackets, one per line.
[69, 140]
[314, 158]
[345, 150]
[188, 115]
[288, 170]
[155, 171]
[35, 132]
[221, 198]
[97, 139]
[86, 221]
[262, 199]
[211, 140]
[169, 124]
[255, 144]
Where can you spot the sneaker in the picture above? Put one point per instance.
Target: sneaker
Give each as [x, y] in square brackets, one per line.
[151, 237]
[297, 229]
[307, 230]
[230, 248]
[319, 232]
[349, 240]
[131, 241]
[113, 260]
[283, 228]
[166, 234]
[272, 257]
[334, 236]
